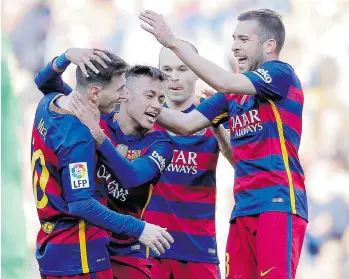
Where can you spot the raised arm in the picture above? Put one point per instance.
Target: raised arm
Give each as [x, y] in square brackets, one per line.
[49, 79]
[212, 74]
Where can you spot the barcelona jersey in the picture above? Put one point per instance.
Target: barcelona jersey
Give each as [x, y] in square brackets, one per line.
[265, 133]
[153, 146]
[184, 199]
[64, 170]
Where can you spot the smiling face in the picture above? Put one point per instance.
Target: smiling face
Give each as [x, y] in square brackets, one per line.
[110, 94]
[145, 100]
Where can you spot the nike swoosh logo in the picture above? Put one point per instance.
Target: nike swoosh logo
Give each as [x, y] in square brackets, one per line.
[266, 272]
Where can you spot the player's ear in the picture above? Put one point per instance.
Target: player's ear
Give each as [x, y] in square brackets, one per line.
[269, 46]
[94, 93]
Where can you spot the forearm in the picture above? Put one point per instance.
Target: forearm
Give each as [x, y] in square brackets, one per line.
[129, 174]
[223, 142]
[99, 215]
[49, 78]
[218, 78]
[182, 123]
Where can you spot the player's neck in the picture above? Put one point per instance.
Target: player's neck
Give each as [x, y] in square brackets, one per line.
[129, 126]
[181, 106]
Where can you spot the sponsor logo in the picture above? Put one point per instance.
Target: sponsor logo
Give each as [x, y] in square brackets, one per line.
[266, 272]
[183, 162]
[135, 247]
[277, 200]
[264, 75]
[114, 188]
[79, 175]
[159, 160]
[211, 251]
[248, 122]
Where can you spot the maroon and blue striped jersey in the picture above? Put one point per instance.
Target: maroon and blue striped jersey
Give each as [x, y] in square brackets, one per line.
[184, 199]
[265, 133]
[64, 170]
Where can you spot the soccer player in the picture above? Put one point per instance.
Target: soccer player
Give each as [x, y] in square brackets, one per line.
[70, 198]
[184, 199]
[130, 184]
[264, 106]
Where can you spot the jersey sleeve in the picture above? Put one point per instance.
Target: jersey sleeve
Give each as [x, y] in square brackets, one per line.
[215, 109]
[271, 80]
[140, 171]
[77, 165]
[47, 81]
[159, 155]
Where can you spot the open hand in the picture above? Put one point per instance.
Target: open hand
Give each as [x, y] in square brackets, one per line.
[82, 57]
[157, 26]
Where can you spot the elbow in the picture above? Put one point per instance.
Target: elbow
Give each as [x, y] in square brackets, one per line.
[223, 87]
[185, 131]
[37, 81]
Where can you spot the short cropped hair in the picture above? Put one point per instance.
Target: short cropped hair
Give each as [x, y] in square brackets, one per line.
[270, 24]
[116, 67]
[146, 71]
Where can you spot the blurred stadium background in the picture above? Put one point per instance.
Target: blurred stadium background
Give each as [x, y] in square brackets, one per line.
[317, 46]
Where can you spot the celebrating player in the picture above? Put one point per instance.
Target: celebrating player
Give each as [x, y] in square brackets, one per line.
[130, 184]
[68, 191]
[184, 200]
[264, 106]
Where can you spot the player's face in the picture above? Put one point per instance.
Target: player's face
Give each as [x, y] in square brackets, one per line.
[182, 80]
[110, 94]
[145, 102]
[247, 47]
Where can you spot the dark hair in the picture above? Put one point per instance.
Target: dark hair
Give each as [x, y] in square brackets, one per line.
[116, 66]
[146, 71]
[270, 24]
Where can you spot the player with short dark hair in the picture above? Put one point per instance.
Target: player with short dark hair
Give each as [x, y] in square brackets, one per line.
[264, 106]
[69, 194]
[130, 180]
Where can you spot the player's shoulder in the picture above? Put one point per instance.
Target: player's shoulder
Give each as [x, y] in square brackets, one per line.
[67, 124]
[273, 67]
[47, 99]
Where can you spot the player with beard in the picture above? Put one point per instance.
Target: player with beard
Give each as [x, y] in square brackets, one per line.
[264, 105]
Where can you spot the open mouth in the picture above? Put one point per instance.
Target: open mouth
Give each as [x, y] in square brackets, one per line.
[152, 116]
[241, 60]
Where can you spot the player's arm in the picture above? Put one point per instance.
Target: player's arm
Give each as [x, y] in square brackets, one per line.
[129, 174]
[212, 111]
[140, 171]
[49, 79]
[223, 140]
[77, 168]
[218, 78]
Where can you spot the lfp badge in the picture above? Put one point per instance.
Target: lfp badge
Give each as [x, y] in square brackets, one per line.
[79, 175]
